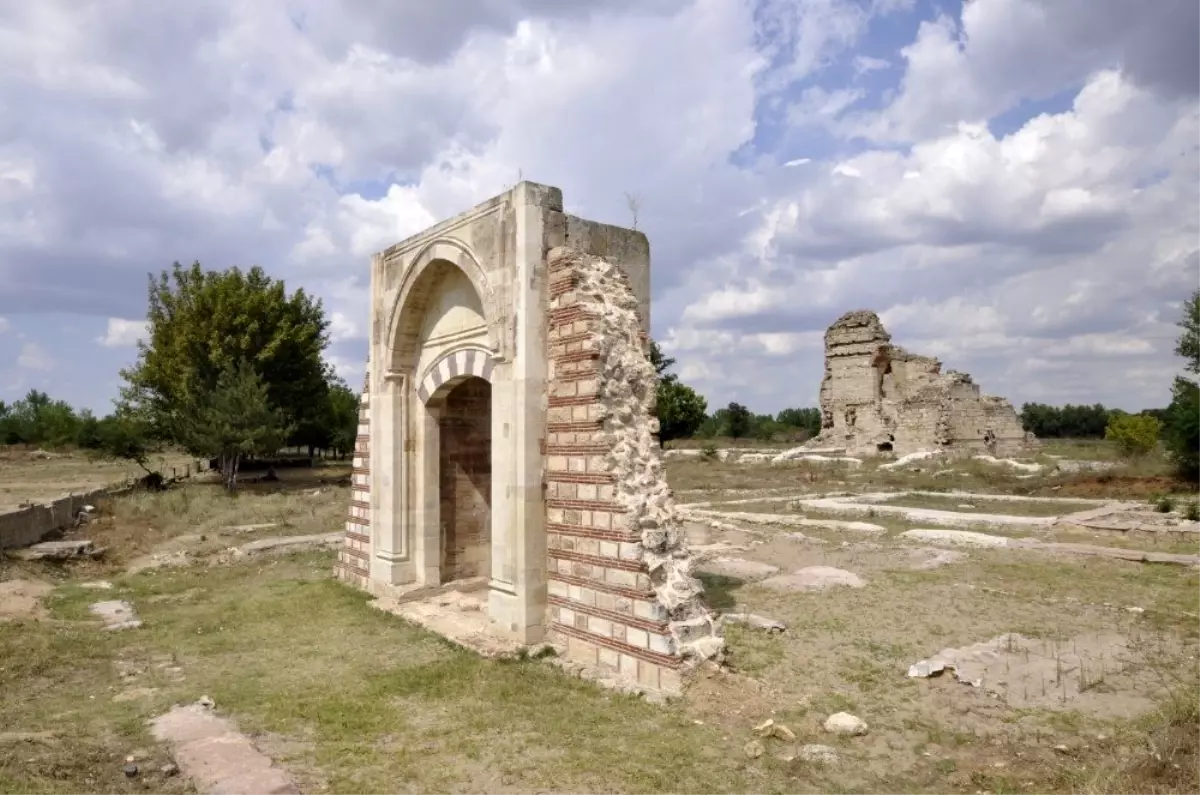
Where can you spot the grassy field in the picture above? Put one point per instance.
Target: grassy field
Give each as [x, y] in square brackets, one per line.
[351, 699]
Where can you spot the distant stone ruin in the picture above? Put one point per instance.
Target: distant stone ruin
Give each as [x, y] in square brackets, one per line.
[507, 441]
[877, 398]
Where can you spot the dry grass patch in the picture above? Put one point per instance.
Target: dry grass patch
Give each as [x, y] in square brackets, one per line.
[37, 476]
[364, 701]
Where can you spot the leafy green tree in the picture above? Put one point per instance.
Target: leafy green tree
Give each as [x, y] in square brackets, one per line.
[1183, 428]
[680, 410]
[233, 420]
[341, 420]
[126, 436]
[1135, 434]
[738, 420]
[661, 363]
[203, 323]
[37, 419]
[805, 419]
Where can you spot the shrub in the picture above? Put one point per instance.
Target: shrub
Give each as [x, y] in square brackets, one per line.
[1164, 505]
[1192, 514]
[1134, 434]
[709, 452]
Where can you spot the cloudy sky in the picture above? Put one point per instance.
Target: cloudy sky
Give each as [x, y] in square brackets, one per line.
[1011, 184]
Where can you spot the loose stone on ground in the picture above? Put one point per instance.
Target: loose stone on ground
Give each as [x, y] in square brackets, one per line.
[845, 724]
[116, 614]
[60, 551]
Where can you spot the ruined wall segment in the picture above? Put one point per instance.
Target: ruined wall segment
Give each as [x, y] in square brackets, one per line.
[621, 592]
[877, 397]
[353, 563]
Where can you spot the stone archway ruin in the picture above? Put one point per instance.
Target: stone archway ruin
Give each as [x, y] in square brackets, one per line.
[506, 435]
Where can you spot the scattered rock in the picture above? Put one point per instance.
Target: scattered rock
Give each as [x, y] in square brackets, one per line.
[98, 585]
[755, 621]
[738, 568]
[58, 551]
[821, 754]
[966, 506]
[206, 702]
[116, 614]
[845, 724]
[814, 578]
[169, 769]
[754, 749]
[131, 770]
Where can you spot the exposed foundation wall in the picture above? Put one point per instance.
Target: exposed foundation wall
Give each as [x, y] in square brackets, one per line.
[353, 563]
[621, 593]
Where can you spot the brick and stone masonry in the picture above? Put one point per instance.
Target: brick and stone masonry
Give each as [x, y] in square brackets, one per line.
[571, 519]
[621, 591]
[877, 397]
[353, 559]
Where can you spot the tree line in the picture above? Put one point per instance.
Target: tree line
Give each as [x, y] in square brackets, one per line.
[232, 367]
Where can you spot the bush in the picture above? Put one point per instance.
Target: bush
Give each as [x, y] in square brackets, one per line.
[709, 452]
[1192, 514]
[1134, 434]
[1164, 505]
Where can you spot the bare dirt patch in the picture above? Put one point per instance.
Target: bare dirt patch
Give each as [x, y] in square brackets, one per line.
[22, 599]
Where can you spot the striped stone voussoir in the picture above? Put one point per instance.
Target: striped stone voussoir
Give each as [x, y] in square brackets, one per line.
[452, 368]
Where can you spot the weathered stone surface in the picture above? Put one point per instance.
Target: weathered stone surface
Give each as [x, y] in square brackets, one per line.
[116, 614]
[845, 724]
[814, 578]
[877, 397]
[814, 752]
[216, 756]
[60, 550]
[738, 568]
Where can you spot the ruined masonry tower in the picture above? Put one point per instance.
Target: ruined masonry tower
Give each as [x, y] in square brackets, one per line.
[877, 397]
[506, 439]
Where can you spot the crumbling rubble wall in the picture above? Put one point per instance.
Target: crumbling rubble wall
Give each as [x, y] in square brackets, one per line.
[877, 397]
[621, 591]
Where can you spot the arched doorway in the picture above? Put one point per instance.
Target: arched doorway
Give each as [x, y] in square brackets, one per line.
[465, 480]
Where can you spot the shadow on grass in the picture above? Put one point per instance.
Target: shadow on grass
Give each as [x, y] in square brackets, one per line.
[719, 590]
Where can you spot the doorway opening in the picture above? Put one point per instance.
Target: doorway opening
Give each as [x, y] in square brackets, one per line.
[465, 480]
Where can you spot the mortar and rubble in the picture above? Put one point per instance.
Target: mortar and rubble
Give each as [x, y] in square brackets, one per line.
[508, 486]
